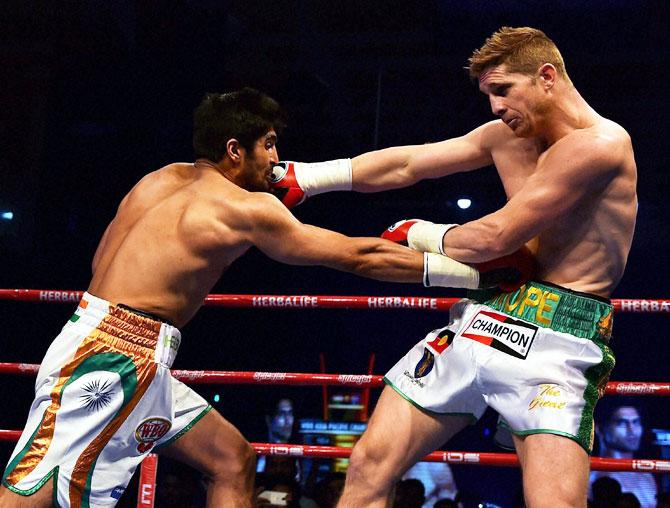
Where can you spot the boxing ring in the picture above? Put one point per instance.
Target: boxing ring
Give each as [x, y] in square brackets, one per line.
[147, 486]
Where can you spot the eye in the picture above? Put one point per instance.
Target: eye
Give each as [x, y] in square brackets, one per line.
[501, 90]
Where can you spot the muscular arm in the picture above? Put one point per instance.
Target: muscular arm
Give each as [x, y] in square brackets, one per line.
[282, 237]
[575, 168]
[402, 166]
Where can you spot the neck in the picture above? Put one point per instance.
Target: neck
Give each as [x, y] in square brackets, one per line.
[223, 168]
[569, 112]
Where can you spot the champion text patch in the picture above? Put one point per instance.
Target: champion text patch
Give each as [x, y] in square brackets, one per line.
[501, 332]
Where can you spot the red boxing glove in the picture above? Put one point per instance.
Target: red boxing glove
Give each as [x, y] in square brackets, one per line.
[398, 232]
[509, 272]
[284, 184]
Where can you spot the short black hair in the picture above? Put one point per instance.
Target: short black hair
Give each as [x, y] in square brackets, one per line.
[244, 115]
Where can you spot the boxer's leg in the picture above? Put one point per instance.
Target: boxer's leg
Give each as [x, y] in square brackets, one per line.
[398, 435]
[217, 449]
[555, 471]
[40, 499]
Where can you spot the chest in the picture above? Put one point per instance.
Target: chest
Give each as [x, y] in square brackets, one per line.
[515, 161]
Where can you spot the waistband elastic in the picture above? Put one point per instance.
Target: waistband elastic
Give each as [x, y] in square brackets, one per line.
[551, 306]
[130, 328]
[143, 313]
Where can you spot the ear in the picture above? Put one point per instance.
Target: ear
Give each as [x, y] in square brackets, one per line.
[547, 75]
[233, 149]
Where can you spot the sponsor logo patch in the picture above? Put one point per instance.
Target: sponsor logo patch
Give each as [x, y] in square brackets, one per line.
[425, 365]
[117, 492]
[412, 379]
[149, 431]
[501, 332]
[444, 338]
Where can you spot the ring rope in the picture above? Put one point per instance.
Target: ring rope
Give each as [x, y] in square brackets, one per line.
[318, 301]
[451, 457]
[318, 379]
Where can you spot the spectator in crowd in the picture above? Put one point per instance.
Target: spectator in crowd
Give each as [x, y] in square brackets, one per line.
[437, 479]
[619, 429]
[409, 493]
[280, 428]
[628, 500]
[606, 492]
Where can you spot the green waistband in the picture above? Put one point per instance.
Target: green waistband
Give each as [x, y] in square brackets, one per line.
[550, 306]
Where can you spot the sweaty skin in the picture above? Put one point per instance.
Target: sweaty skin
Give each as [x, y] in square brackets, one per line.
[173, 236]
[180, 227]
[569, 175]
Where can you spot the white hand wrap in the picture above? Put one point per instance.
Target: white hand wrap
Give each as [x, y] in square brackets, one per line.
[425, 236]
[317, 177]
[443, 271]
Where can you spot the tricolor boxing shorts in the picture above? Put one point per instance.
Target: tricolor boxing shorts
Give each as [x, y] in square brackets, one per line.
[104, 399]
[539, 356]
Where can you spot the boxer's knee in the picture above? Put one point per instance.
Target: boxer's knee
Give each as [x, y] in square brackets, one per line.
[370, 465]
[235, 464]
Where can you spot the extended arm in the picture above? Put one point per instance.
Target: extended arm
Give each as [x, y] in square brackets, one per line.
[386, 169]
[282, 237]
[278, 234]
[401, 166]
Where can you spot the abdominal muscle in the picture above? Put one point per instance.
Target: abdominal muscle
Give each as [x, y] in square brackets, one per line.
[581, 251]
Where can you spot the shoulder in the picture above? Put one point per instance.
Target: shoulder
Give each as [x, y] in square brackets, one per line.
[162, 181]
[493, 133]
[605, 137]
[261, 210]
[262, 203]
[605, 146]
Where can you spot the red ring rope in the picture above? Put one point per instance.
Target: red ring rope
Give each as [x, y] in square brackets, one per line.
[309, 379]
[317, 301]
[451, 457]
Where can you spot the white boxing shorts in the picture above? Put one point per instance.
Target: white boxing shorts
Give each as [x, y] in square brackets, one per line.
[538, 356]
[104, 398]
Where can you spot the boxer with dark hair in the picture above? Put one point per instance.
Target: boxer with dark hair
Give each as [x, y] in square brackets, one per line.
[105, 396]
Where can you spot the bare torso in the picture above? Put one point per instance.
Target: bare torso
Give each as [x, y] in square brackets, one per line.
[587, 249]
[166, 247]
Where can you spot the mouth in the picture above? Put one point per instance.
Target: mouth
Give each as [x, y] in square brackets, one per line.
[512, 123]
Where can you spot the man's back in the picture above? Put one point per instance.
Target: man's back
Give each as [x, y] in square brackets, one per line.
[166, 247]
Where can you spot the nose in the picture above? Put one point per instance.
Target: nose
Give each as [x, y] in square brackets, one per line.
[274, 156]
[632, 427]
[497, 105]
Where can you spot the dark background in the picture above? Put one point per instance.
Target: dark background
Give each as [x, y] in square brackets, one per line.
[93, 95]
